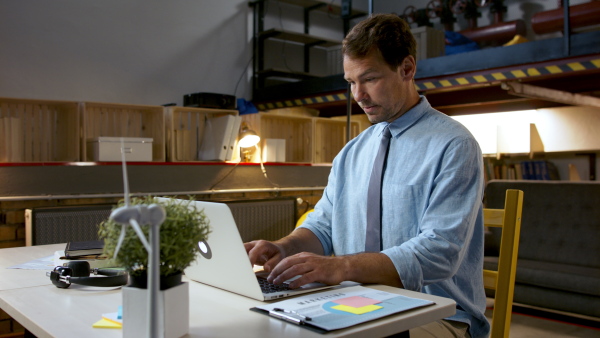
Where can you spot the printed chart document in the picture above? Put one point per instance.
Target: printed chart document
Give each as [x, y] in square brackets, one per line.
[341, 308]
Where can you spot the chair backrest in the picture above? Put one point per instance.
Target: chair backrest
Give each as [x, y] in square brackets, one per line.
[503, 280]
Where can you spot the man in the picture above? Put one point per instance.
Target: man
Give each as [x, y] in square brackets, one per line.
[431, 209]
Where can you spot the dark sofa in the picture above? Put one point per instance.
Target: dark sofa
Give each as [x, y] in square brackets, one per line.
[559, 252]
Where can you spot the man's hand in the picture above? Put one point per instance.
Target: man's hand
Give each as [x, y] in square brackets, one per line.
[265, 253]
[269, 254]
[301, 253]
[366, 268]
[311, 267]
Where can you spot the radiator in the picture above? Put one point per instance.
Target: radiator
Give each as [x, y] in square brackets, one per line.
[64, 224]
[268, 219]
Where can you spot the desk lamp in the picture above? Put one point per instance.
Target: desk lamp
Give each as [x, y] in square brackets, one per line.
[247, 139]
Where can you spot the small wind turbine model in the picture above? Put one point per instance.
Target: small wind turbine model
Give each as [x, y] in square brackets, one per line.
[152, 215]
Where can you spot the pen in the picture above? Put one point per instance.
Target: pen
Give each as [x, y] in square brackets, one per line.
[289, 316]
[292, 312]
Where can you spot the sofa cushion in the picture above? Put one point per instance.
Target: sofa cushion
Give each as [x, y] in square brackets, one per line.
[560, 223]
[572, 278]
[558, 300]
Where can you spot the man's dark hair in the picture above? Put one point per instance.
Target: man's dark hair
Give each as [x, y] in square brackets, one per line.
[387, 33]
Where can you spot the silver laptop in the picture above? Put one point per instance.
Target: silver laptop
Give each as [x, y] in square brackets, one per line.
[223, 262]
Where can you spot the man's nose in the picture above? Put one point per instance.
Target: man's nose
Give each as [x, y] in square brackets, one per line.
[359, 93]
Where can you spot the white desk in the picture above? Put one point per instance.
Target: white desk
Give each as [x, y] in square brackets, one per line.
[18, 278]
[47, 311]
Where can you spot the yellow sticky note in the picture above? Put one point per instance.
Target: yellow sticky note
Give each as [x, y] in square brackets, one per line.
[357, 310]
[106, 324]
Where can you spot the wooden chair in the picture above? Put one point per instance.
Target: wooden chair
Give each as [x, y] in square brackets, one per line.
[503, 280]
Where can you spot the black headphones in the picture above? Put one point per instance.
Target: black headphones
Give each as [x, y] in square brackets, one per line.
[78, 272]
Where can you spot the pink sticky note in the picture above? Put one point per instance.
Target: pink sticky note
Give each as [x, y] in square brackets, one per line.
[356, 301]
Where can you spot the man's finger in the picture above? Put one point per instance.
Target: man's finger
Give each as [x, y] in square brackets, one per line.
[289, 268]
[248, 246]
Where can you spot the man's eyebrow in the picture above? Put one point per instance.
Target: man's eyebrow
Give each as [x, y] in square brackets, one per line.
[363, 74]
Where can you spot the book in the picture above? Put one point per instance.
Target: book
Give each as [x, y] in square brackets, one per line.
[233, 138]
[96, 262]
[84, 248]
[217, 134]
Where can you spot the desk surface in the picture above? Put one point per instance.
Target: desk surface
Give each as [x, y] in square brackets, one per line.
[19, 278]
[47, 311]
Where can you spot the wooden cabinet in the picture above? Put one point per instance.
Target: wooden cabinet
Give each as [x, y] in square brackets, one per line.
[308, 139]
[122, 120]
[39, 130]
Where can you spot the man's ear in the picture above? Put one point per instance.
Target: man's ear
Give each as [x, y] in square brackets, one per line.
[408, 68]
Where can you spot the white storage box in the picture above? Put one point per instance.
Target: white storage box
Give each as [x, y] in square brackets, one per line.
[108, 149]
[431, 42]
[273, 150]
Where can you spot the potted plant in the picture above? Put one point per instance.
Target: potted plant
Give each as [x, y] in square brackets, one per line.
[183, 228]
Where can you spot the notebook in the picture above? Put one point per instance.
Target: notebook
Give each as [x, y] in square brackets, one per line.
[223, 262]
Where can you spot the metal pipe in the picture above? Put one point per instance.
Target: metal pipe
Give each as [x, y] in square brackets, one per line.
[500, 32]
[168, 193]
[581, 15]
[566, 27]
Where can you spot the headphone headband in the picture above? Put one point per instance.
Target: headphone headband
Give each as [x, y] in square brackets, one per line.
[78, 272]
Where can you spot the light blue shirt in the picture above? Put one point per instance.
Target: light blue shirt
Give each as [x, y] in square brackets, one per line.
[432, 217]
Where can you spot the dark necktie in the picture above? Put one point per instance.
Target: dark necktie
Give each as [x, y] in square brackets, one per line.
[373, 235]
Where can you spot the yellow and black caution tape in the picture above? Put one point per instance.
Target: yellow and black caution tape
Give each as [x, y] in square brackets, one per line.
[516, 73]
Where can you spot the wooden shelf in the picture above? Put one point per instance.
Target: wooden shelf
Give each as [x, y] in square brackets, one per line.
[38, 130]
[123, 120]
[185, 130]
[313, 140]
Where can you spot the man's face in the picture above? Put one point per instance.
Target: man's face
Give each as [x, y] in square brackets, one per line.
[381, 92]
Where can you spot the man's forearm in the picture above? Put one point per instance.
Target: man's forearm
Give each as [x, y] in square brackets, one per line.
[368, 268]
[300, 240]
[371, 268]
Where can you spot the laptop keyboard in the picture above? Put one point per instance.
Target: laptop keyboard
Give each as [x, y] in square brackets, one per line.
[268, 287]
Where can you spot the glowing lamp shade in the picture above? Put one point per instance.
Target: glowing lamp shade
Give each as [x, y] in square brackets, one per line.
[248, 138]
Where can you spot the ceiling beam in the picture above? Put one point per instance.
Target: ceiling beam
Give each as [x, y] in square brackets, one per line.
[553, 95]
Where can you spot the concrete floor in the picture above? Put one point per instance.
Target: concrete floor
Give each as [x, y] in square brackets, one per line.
[529, 326]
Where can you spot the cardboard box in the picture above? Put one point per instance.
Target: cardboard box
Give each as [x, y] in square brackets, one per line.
[108, 149]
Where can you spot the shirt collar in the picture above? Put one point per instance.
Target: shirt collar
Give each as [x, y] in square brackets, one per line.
[405, 121]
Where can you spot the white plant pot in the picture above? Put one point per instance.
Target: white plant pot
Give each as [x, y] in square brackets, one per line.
[174, 309]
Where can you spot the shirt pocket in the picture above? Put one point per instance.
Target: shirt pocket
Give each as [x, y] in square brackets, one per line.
[403, 210]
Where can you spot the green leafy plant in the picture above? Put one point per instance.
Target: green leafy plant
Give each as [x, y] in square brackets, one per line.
[180, 233]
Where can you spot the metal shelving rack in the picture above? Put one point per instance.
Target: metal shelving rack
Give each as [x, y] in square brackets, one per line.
[260, 73]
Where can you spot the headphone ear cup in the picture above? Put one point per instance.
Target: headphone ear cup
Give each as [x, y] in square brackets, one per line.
[79, 268]
[57, 273]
